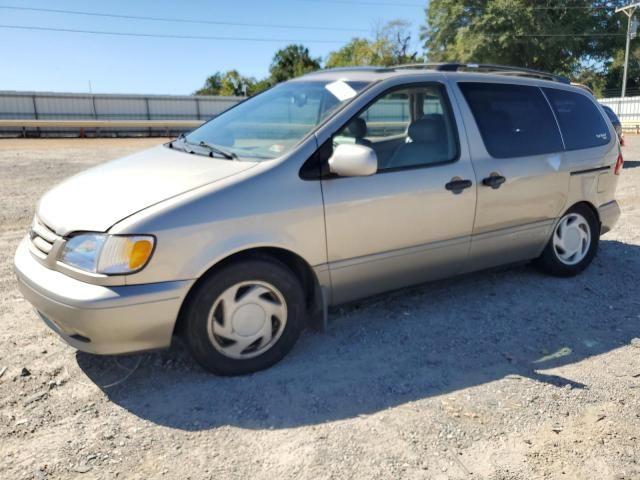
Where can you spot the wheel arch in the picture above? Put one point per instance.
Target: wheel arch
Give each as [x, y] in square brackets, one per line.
[584, 203]
[548, 261]
[298, 265]
[587, 204]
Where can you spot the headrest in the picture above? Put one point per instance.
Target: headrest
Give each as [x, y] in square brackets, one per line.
[428, 129]
[357, 127]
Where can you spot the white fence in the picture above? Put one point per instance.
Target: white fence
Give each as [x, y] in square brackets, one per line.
[130, 114]
[627, 109]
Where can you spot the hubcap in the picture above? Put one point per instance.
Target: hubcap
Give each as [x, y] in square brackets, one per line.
[572, 239]
[247, 319]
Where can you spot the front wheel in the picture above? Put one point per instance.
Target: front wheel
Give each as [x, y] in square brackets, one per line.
[245, 317]
[573, 244]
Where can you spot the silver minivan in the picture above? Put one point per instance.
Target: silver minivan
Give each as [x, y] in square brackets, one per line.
[328, 188]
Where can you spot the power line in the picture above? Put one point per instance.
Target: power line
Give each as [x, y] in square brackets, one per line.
[384, 4]
[423, 4]
[258, 39]
[552, 35]
[160, 35]
[178, 20]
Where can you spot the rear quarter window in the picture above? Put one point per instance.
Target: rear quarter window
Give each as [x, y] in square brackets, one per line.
[581, 122]
[514, 120]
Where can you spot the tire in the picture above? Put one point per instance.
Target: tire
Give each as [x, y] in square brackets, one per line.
[561, 263]
[245, 317]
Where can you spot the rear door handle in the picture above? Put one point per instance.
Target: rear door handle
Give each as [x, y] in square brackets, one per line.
[457, 185]
[494, 181]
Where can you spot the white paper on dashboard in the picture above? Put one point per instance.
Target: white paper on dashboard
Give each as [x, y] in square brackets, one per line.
[341, 90]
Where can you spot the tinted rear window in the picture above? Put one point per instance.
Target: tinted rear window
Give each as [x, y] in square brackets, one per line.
[582, 124]
[514, 120]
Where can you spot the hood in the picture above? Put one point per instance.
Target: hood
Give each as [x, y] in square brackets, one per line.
[98, 198]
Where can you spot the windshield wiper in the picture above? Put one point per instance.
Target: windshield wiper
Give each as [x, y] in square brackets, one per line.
[180, 137]
[218, 150]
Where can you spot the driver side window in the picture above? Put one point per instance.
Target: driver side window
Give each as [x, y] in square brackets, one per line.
[408, 127]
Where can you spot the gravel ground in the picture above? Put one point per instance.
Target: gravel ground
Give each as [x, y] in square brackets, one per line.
[527, 377]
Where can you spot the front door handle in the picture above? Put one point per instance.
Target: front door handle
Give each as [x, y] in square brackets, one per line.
[457, 185]
[494, 181]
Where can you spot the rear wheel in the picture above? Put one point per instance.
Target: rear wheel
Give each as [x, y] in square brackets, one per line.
[573, 244]
[245, 317]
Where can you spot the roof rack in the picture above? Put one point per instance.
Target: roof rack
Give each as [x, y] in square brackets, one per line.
[486, 68]
[372, 68]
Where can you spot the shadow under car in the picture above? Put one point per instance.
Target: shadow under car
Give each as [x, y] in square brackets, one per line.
[397, 348]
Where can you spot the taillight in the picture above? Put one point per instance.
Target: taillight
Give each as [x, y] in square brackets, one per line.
[619, 163]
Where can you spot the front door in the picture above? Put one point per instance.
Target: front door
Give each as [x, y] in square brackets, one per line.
[411, 221]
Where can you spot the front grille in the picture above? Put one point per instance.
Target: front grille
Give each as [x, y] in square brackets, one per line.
[42, 237]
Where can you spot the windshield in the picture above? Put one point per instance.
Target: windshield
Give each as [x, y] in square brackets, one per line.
[270, 124]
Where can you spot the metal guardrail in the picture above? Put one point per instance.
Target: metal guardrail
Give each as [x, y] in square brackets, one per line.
[55, 114]
[630, 126]
[29, 123]
[82, 125]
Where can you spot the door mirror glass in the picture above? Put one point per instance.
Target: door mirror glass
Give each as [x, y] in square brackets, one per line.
[349, 160]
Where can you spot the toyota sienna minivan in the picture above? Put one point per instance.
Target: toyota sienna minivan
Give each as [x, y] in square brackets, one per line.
[331, 187]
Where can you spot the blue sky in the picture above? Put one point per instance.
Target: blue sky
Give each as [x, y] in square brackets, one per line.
[67, 62]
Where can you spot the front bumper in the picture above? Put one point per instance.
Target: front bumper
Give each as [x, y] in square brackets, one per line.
[99, 319]
[609, 214]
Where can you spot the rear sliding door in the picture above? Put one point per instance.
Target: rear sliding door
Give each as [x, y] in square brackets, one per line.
[517, 154]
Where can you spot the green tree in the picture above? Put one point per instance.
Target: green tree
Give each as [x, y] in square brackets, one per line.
[615, 71]
[391, 45]
[212, 85]
[357, 52]
[231, 83]
[292, 61]
[394, 39]
[592, 77]
[548, 35]
[260, 86]
[234, 84]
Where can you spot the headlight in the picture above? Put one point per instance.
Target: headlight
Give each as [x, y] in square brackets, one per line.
[108, 254]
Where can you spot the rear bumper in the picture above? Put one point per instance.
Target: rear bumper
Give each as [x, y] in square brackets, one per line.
[99, 319]
[609, 214]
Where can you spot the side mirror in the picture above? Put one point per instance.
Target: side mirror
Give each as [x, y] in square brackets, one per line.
[352, 160]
